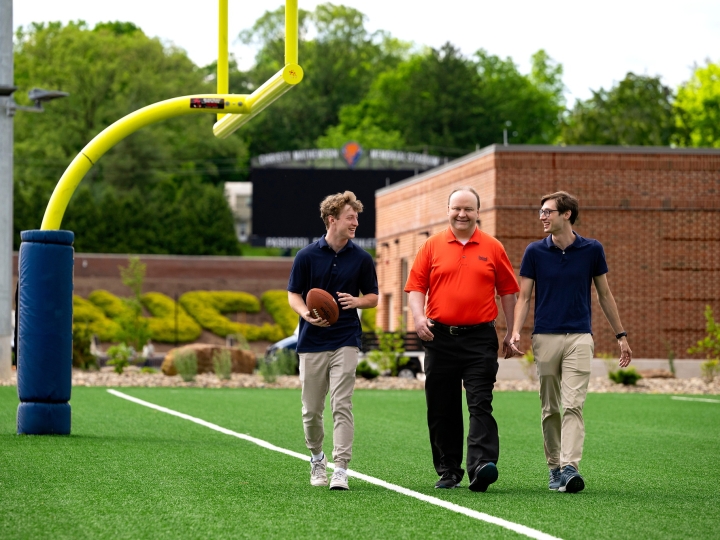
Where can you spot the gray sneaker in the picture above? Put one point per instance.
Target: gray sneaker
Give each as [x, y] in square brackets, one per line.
[571, 481]
[555, 479]
[339, 481]
[318, 472]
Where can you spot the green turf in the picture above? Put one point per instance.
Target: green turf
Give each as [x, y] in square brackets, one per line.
[130, 472]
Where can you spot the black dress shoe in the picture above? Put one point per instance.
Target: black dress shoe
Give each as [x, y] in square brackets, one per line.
[448, 481]
[484, 476]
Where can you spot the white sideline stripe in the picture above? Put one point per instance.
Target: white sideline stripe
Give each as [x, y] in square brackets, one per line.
[520, 529]
[704, 400]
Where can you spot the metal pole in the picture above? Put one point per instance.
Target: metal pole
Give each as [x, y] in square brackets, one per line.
[6, 189]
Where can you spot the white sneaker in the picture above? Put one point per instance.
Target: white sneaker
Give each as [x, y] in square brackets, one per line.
[339, 481]
[318, 472]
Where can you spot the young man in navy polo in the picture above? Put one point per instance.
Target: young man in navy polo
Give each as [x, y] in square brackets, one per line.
[562, 268]
[329, 354]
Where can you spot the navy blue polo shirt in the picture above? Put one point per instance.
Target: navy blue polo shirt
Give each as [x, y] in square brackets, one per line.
[351, 270]
[562, 283]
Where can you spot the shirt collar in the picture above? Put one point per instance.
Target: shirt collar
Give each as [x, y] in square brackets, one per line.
[475, 238]
[322, 243]
[579, 241]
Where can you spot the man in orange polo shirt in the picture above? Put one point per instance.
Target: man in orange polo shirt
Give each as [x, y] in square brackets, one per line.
[459, 270]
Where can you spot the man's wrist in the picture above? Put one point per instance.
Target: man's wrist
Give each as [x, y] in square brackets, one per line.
[621, 335]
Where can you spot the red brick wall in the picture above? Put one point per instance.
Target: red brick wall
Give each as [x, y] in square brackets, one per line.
[656, 212]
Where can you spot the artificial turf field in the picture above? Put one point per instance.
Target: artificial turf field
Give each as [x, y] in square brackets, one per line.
[127, 471]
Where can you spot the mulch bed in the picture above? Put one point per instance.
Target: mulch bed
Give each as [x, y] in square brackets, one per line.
[133, 377]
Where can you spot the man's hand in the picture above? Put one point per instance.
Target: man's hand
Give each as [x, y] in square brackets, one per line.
[348, 301]
[514, 351]
[422, 327]
[625, 352]
[315, 322]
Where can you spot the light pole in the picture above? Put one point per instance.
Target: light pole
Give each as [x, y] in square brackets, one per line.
[6, 186]
[7, 111]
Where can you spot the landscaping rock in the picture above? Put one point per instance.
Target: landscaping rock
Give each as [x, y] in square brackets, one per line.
[242, 361]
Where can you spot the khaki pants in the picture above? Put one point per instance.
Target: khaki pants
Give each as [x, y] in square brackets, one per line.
[332, 371]
[563, 366]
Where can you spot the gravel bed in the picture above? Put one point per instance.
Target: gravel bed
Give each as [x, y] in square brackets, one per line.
[133, 377]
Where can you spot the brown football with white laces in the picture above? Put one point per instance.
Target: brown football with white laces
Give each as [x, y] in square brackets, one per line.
[322, 304]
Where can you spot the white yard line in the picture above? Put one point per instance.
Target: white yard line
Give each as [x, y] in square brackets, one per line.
[704, 400]
[515, 527]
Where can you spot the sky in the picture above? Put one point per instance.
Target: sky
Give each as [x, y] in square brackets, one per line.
[596, 43]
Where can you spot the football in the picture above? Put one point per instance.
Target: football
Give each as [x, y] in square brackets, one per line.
[322, 304]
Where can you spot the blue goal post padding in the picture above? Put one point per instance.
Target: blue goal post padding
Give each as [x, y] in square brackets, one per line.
[44, 348]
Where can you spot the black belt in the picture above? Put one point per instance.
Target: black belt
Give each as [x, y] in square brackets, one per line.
[459, 330]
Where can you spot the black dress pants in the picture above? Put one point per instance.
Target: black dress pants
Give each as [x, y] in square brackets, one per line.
[469, 359]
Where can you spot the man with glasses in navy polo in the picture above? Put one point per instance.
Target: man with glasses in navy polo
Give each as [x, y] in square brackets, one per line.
[562, 268]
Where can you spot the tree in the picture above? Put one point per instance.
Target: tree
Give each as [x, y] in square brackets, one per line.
[111, 71]
[698, 108]
[439, 99]
[636, 111]
[340, 64]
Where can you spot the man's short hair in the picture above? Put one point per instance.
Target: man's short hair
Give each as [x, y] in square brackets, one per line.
[564, 202]
[333, 205]
[466, 188]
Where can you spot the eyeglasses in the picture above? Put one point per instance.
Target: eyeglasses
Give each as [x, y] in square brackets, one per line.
[543, 212]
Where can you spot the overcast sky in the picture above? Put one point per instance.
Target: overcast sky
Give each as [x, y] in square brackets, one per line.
[596, 42]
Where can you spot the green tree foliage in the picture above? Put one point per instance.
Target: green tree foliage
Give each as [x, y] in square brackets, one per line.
[153, 192]
[340, 63]
[443, 100]
[698, 108]
[636, 111]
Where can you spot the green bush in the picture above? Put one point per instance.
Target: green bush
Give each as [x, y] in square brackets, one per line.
[268, 369]
[365, 370]
[207, 307]
[81, 338]
[276, 304]
[120, 357]
[222, 364]
[628, 377]
[89, 315]
[111, 305]
[287, 362]
[162, 322]
[367, 319]
[710, 370]
[148, 369]
[186, 365]
[710, 344]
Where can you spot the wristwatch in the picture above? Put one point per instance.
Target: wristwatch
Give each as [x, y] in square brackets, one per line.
[620, 335]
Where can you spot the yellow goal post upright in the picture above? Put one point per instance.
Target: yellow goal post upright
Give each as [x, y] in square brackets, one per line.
[232, 110]
[46, 260]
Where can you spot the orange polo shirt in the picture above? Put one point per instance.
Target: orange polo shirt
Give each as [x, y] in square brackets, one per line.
[461, 280]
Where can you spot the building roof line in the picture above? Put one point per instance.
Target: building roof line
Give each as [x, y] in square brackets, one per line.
[548, 149]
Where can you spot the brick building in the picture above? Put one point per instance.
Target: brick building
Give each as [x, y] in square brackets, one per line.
[655, 210]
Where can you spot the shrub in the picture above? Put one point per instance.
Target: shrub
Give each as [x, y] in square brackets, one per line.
[365, 370]
[389, 354]
[287, 362]
[268, 369]
[81, 357]
[367, 319]
[89, 315]
[207, 307]
[527, 363]
[134, 328]
[709, 370]
[276, 304]
[120, 357]
[111, 305]
[186, 364]
[222, 364]
[710, 344]
[148, 369]
[627, 376]
[162, 322]
[241, 341]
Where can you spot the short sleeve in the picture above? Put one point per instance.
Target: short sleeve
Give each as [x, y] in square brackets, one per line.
[505, 280]
[298, 275]
[527, 266]
[601, 266]
[419, 277]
